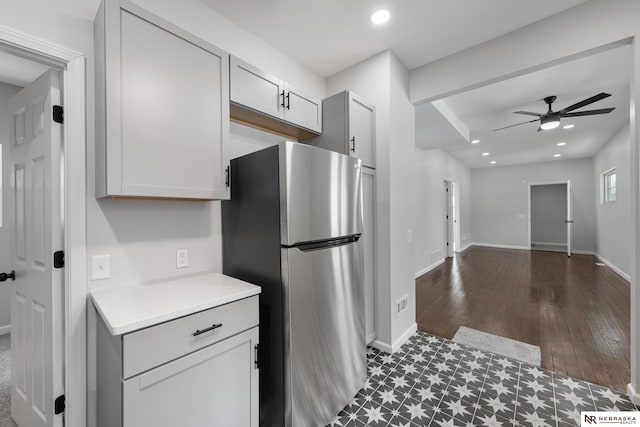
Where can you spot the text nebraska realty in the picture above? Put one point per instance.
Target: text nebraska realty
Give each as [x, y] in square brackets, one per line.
[610, 419]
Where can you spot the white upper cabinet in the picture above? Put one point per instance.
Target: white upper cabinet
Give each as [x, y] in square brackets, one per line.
[348, 127]
[258, 98]
[162, 108]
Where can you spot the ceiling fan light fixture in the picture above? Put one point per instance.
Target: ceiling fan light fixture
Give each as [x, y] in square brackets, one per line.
[550, 122]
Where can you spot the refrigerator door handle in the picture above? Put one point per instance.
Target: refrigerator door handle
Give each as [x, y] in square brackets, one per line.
[324, 244]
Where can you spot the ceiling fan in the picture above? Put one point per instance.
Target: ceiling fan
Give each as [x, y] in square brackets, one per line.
[551, 119]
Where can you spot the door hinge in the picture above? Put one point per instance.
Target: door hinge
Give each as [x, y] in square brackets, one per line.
[58, 114]
[256, 360]
[58, 259]
[59, 405]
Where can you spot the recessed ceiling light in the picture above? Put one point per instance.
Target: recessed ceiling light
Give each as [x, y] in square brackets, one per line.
[379, 17]
[475, 141]
[557, 155]
[485, 154]
[493, 162]
[568, 126]
[561, 144]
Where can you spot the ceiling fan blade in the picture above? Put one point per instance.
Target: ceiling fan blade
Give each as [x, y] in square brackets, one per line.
[528, 113]
[588, 112]
[517, 124]
[584, 102]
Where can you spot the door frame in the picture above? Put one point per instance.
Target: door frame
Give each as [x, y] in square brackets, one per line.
[72, 66]
[536, 184]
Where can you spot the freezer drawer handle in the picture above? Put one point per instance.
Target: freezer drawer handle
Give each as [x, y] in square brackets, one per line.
[210, 328]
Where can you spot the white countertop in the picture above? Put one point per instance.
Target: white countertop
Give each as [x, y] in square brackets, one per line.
[129, 308]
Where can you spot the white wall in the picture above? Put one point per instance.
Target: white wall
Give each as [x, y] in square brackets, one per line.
[6, 92]
[402, 200]
[432, 168]
[613, 220]
[499, 201]
[548, 214]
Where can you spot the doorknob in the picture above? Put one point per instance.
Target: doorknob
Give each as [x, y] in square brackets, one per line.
[5, 276]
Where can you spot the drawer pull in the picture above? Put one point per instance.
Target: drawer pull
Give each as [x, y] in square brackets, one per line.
[210, 328]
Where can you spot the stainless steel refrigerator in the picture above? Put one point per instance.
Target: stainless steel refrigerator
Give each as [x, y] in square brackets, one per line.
[293, 227]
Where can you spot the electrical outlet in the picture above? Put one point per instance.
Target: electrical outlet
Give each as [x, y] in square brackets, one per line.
[182, 258]
[100, 267]
[409, 236]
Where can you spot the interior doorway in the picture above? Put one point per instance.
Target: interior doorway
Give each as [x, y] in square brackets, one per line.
[550, 217]
[31, 308]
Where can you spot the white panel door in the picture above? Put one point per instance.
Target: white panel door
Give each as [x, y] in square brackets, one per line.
[215, 386]
[569, 220]
[302, 110]
[368, 240]
[362, 130]
[36, 318]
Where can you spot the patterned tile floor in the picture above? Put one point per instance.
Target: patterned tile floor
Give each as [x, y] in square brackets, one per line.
[436, 382]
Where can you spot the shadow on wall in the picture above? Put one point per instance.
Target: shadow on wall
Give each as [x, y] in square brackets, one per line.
[149, 220]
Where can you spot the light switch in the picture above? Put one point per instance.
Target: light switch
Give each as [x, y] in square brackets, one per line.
[100, 267]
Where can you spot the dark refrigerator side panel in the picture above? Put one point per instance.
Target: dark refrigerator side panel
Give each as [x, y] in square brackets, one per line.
[251, 252]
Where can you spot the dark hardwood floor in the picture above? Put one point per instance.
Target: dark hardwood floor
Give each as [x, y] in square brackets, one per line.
[577, 312]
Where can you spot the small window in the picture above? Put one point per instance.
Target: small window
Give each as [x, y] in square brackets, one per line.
[609, 186]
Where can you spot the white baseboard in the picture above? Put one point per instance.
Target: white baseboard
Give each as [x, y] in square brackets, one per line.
[465, 247]
[371, 337]
[382, 346]
[633, 396]
[581, 252]
[493, 245]
[4, 330]
[429, 268]
[609, 264]
[564, 245]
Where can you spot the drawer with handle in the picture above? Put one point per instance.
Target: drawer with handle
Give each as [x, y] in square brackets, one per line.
[153, 346]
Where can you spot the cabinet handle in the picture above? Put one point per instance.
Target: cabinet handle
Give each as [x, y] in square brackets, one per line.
[353, 144]
[282, 105]
[210, 328]
[227, 176]
[288, 101]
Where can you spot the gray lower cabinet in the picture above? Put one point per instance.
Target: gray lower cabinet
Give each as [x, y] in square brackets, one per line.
[162, 108]
[197, 370]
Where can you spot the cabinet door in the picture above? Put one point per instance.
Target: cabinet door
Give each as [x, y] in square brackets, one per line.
[303, 110]
[215, 386]
[362, 130]
[256, 89]
[368, 240]
[174, 113]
